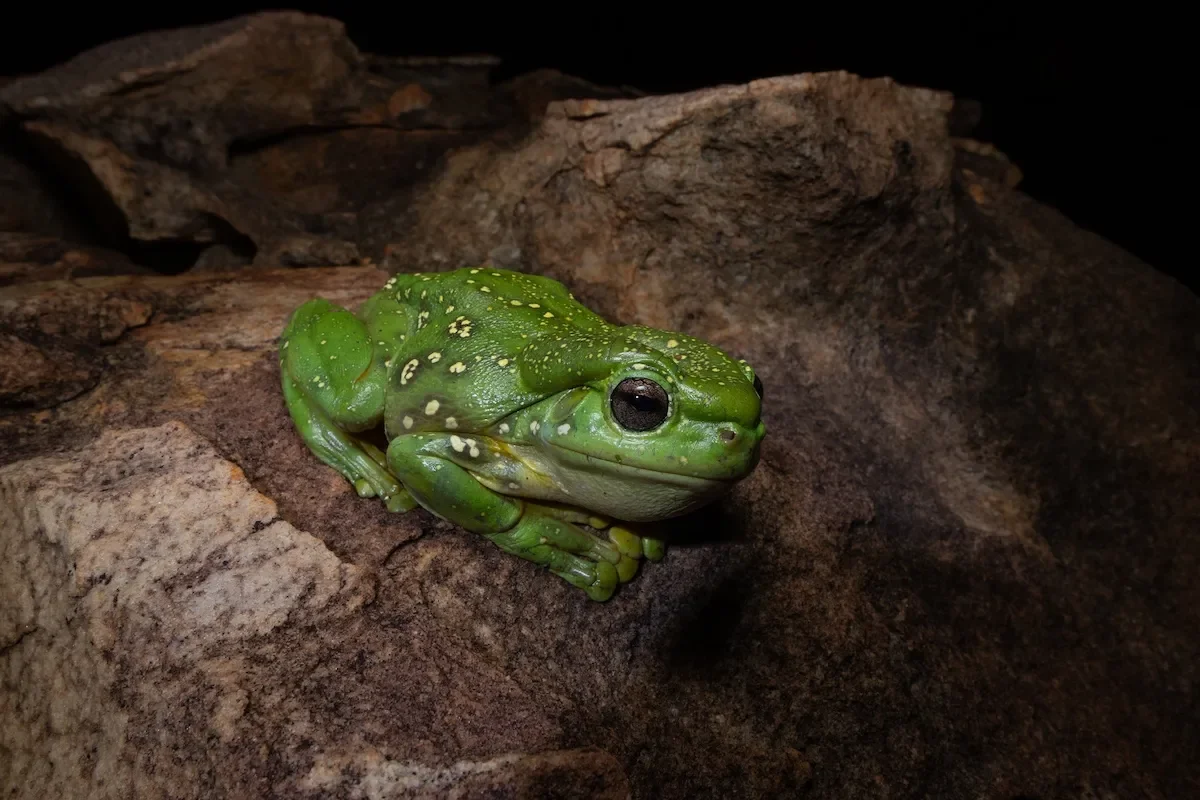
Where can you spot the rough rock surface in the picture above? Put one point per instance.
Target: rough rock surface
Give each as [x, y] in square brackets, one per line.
[267, 135]
[965, 568]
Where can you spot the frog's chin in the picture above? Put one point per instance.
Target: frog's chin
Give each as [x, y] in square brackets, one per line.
[632, 493]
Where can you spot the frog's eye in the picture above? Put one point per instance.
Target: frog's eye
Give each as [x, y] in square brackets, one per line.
[758, 387]
[639, 404]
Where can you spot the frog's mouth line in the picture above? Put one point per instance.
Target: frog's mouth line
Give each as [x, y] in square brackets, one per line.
[689, 480]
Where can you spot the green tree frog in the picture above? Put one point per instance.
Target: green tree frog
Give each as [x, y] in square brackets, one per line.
[515, 412]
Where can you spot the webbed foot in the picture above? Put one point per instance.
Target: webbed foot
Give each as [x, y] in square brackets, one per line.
[630, 546]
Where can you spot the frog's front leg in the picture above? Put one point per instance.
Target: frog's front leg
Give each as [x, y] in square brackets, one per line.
[334, 384]
[436, 468]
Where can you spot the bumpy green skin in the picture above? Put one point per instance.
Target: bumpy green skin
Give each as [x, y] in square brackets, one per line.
[494, 388]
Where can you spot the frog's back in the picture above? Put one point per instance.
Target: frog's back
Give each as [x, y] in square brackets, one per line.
[455, 340]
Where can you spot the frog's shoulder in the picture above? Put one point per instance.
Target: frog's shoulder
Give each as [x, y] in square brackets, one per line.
[466, 331]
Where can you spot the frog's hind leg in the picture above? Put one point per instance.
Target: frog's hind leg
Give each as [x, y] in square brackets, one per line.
[334, 383]
[436, 469]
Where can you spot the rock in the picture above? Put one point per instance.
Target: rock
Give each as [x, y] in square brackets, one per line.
[142, 550]
[965, 566]
[572, 773]
[51, 339]
[26, 257]
[219, 258]
[178, 130]
[27, 203]
[35, 377]
[269, 137]
[526, 97]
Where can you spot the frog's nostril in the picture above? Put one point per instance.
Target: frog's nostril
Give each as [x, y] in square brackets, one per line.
[728, 435]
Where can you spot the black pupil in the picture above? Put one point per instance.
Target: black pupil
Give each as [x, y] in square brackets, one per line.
[639, 404]
[643, 403]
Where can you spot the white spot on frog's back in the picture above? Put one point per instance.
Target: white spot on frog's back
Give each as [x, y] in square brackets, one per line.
[564, 429]
[407, 422]
[533, 426]
[431, 408]
[451, 423]
[457, 443]
[504, 427]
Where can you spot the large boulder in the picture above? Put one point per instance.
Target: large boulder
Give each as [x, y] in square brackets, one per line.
[966, 566]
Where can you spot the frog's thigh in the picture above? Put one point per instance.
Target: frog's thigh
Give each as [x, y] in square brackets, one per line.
[333, 384]
[433, 467]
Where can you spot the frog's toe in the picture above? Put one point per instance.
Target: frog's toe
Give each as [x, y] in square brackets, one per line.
[628, 543]
[401, 501]
[627, 568]
[605, 583]
[637, 547]
[603, 551]
[597, 578]
[364, 488]
[653, 549]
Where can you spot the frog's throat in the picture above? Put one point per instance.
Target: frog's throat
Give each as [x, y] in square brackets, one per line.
[701, 483]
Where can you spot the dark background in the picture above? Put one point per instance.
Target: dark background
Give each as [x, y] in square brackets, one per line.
[1092, 108]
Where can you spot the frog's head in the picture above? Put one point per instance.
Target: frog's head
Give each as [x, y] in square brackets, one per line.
[655, 424]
